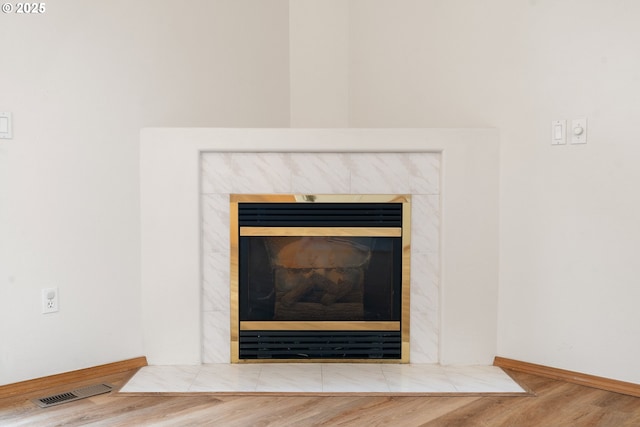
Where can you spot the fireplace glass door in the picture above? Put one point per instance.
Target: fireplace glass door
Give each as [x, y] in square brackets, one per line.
[320, 278]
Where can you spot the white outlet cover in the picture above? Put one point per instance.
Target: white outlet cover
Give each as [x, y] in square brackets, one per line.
[50, 298]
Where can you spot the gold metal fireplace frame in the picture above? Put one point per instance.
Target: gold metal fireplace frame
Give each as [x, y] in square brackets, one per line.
[404, 232]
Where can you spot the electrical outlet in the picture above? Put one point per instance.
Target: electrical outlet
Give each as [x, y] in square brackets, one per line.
[49, 300]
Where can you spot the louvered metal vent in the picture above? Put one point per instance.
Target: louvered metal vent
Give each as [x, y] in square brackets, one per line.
[320, 214]
[320, 345]
[70, 396]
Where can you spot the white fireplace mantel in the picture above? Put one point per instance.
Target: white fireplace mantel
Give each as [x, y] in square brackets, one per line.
[170, 224]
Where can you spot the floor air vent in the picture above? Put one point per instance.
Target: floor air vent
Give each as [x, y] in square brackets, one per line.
[70, 396]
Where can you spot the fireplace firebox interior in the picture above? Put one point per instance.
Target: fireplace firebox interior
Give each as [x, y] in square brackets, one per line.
[320, 277]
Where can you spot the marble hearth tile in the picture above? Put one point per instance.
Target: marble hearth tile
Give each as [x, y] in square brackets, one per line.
[217, 172]
[215, 279]
[215, 223]
[225, 377]
[216, 337]
[318, 378]
[290, 377]
[416, 378]
[367, 378]
[319, 173]
[424, 173]
[481, 379]
[379, 173]
[263, 173]
[167, 379]
[425, 223]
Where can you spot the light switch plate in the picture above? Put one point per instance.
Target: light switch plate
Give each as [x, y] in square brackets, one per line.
[579, 131]
[5, 126]
[558, 132]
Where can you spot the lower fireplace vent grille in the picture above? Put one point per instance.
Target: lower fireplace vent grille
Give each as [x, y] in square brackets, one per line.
[70, 396]
[320, 345]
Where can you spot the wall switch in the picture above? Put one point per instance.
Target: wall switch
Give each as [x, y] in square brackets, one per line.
[49, 300]
[558, 132]
[5, 126]
[579, 131]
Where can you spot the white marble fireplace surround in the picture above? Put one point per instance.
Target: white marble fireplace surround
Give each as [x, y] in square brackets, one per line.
[187, 174]
[417, 174]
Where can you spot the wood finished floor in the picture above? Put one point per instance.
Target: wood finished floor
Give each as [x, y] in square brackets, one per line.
[556, 404]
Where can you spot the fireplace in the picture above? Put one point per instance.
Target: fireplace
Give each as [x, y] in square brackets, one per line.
[320, 277]
[186, 178]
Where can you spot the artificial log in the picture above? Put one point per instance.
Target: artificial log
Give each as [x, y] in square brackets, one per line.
[317, 311]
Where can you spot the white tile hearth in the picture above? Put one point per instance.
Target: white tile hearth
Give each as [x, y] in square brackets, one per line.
[297, 378]
[170, 379]
[224, 377]
[326, 378]
[407, 378]
[367, 378]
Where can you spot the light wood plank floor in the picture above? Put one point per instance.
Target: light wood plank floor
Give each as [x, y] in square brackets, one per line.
[556, 404]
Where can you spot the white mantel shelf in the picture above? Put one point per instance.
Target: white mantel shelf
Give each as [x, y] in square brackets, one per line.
[171, 239]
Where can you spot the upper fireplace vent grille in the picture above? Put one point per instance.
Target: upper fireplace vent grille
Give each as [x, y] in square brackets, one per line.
[320, 214]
